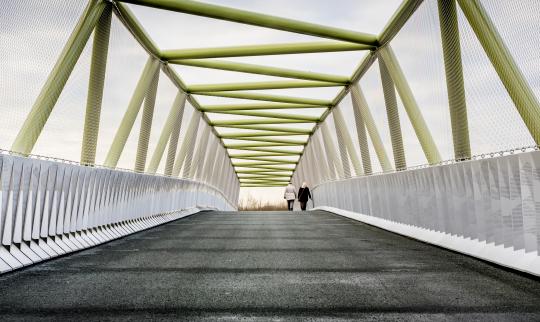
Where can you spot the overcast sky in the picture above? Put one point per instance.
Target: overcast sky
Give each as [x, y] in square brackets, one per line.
[32, 34]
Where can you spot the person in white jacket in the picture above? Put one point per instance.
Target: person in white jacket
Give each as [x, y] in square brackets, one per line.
[290, 195]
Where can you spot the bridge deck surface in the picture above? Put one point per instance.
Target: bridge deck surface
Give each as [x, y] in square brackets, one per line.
[224, 266]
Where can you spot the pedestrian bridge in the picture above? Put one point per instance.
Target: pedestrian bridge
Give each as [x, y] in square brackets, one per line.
[123, 151]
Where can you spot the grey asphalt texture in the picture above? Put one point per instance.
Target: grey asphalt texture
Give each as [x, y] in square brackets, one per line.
[219, 266]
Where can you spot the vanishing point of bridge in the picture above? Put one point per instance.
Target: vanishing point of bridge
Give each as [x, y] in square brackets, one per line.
[123, 151]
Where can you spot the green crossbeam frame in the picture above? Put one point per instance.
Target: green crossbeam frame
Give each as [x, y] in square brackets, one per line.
[263, 135]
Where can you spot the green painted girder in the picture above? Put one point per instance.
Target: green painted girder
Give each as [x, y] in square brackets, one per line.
[258, 154]
[262, 50]
[272, 115]
[256, 174]
[263, 149]
[261, 106]
[259, 19]
[266, 177]
[258, 86]
[240, 135]
[273, 140]
[262, 171]
[268, 97]
[262, 185]
[268, 160]
[228, 123]
[248, 146]
[255, 164]
[137, 29]
[261, 70]
[265, 127]
[50, 92]
[266, 180]
[256, 122]
[262, 166]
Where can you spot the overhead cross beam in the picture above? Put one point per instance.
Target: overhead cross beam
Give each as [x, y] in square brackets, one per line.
[258, 86]
[260, 106]
[272, 115]
[258, 19]
[262, 50]
[261, 70]
[267, 97]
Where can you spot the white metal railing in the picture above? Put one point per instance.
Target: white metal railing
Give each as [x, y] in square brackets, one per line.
[50, 208]
[493, 202]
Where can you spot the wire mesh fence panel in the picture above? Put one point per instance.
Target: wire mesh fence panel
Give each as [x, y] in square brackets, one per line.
[27, 57]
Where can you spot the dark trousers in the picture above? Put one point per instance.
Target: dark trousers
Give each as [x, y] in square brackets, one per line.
[290, 204]
[303, 205]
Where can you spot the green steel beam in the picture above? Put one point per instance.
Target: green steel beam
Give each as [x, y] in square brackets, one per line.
[243, 146]
[180, 101]
[269, 127]
[269, 160]
[261, 165]
[131, 113]
[262, 50]
[271, 115]
[261, 70]
[263, 174]
[411, 106]
[259, 19]
[273, 140]
[266, 180]
[266, 121]
[262, 171]
[454, 78]
[511, 76]
[392, 115]
[258, 154]
[266, 176]
[261, 106]
[400, 17]
[146, 124]
[398, 20]
[262, 185]
[360, 104]
[135, 27]
[267, 97]
[241, 135]
[176, 112]
[263, 149]
[51, 90]
[233, 123]
[257, 86]
[362, 135]
[100, 48]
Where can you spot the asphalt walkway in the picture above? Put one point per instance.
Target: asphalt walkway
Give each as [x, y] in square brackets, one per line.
[265, 266]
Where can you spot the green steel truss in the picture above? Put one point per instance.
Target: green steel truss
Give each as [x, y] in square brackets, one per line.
[265, 130]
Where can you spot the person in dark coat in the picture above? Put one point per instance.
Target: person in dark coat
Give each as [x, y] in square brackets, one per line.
[303, 196]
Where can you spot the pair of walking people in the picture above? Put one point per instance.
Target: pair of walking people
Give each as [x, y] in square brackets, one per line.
[303, 195]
